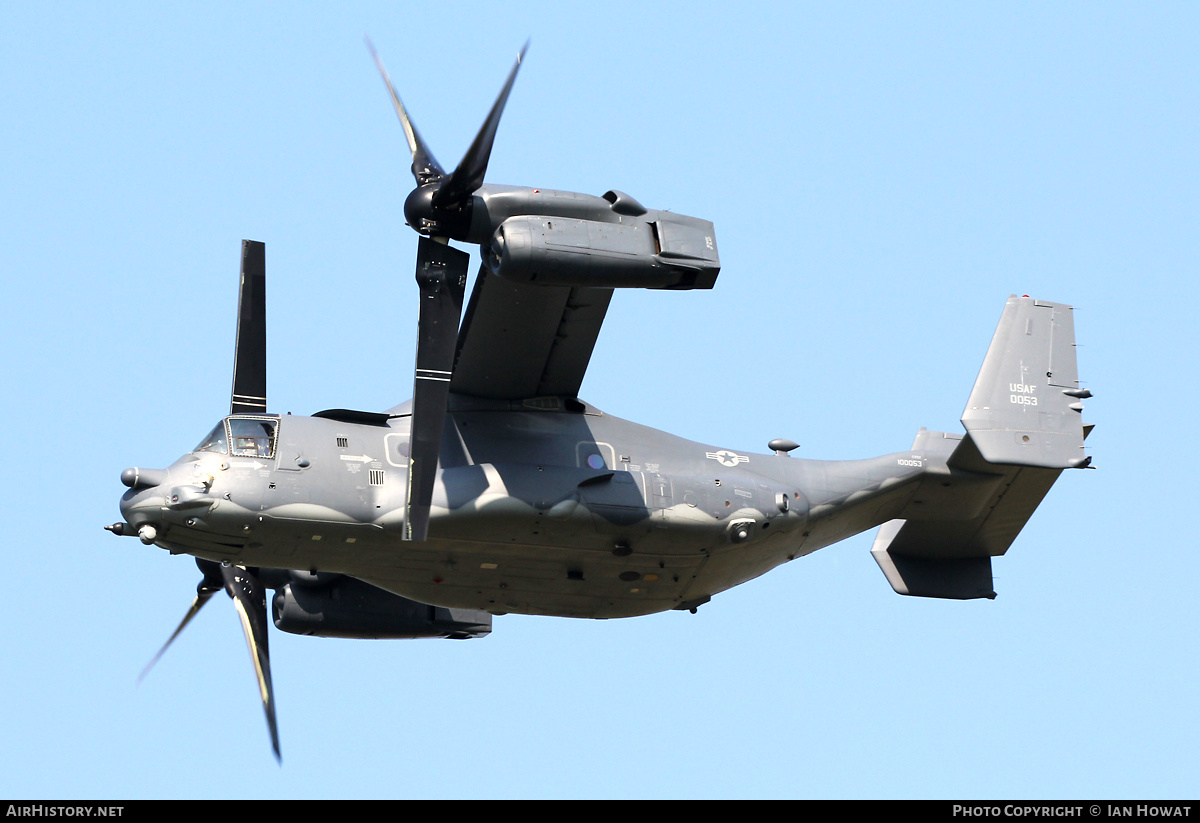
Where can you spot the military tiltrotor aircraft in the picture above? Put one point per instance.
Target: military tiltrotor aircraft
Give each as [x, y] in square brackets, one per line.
[497, 490]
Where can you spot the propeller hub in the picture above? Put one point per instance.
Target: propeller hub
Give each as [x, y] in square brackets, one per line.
[418, 209]
[432, 221]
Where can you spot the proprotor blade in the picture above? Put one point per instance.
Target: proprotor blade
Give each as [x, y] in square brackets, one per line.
[251, 601]
[442, 277]
[470, 172]
[250, 353]
[210, 585]
[425, 167]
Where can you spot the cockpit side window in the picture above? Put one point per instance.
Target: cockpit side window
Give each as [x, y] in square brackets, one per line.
[215, 442]
[252, 436]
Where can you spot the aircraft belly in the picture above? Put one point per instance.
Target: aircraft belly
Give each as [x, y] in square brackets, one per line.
[537, 579]
[733, 565]
[575, 566]
[577, 563]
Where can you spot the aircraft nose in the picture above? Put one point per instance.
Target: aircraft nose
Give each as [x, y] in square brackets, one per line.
[141, 506]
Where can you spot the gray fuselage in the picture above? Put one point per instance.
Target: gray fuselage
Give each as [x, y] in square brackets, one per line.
[537, 509]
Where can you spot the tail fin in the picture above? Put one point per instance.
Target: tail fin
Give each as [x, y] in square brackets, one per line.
[1023, 428]
[1025, 407]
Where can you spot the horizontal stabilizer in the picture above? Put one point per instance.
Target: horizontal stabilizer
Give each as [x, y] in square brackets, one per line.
[953, 578]
[957, 523]
[959, 518]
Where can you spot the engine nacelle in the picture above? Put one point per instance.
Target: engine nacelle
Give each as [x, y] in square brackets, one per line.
[346, 607]
[658, 250]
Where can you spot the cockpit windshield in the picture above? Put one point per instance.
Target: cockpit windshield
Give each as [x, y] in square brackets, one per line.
[215, 442]
[250, 436]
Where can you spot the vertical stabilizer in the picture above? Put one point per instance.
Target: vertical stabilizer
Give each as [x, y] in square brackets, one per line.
[1026, 404]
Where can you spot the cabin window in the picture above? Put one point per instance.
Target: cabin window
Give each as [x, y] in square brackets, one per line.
[252, 436]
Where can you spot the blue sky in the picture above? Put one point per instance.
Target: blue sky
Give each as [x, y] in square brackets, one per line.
[881, 177]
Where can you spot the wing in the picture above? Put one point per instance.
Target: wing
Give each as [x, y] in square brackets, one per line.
[519, 341]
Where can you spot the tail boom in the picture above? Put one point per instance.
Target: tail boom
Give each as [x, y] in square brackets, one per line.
[1024, 427]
